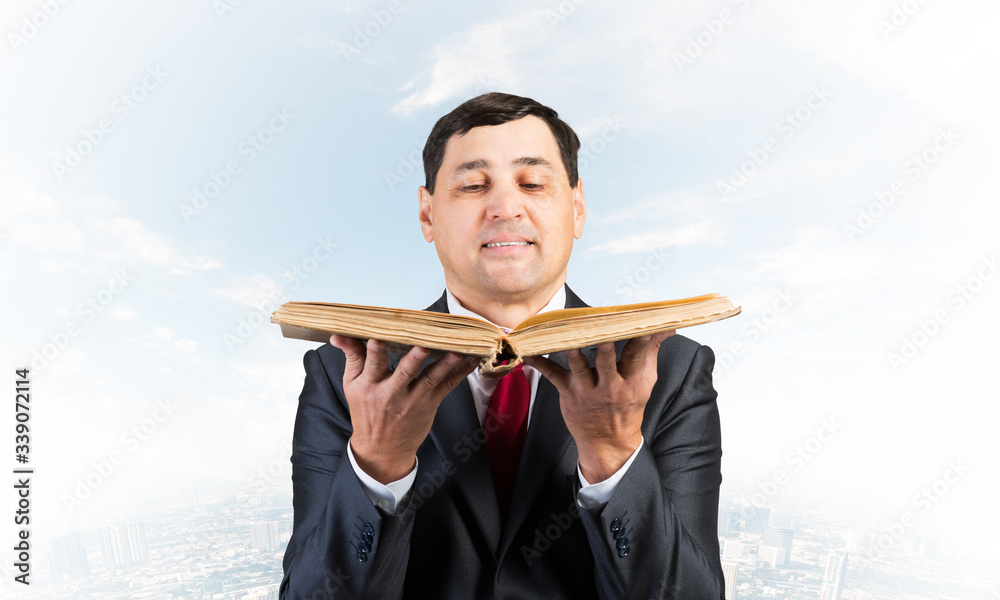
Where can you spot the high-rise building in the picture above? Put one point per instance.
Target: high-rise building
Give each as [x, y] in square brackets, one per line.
[69, 558]
[264, 535]
[781, 521]
[729, 521]
[755, 518]
[834, 575]
[734, 549]
[124, 546]
[779, 538]
[772, 555]
[730, 570]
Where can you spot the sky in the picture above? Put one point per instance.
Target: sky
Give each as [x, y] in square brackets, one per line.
[169, 172]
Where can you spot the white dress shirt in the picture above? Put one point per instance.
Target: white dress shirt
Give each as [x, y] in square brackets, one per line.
[390, 497]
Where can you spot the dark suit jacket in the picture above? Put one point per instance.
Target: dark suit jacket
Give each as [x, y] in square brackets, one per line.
[655, 538]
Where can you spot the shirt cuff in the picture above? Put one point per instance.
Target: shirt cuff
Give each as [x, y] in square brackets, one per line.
[385, 496]
[592, 495]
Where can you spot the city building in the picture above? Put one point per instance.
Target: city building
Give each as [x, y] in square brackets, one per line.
[834, 575]
[264, 536]
[755, 518]
[779, 538]
[68, 557]
[124, 546]
[731, 571]
[772, 555]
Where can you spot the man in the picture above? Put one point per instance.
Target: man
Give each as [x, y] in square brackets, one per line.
[586, 474]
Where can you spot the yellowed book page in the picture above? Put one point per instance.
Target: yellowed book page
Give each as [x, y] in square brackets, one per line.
[565, 313]
[400, 327]
[590, 329]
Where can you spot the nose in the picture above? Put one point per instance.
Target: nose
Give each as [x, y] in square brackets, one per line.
[504, 202]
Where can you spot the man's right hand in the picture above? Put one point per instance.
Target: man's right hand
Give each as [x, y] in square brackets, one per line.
[392, 411]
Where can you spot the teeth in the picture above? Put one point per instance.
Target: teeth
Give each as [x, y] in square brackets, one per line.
[507, 244]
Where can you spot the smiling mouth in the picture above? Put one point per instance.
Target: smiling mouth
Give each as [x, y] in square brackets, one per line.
[499, 244]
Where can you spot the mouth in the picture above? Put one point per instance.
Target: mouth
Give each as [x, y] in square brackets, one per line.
[502, 244]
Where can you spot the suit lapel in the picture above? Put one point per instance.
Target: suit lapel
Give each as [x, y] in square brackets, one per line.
[457, 434]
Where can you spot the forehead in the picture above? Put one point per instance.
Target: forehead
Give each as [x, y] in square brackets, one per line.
[501, 145]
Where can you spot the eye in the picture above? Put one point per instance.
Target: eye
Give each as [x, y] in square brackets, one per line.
[473, 188]
[532, 186]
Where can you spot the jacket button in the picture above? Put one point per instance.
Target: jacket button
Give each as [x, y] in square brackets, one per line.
[366, 547]
[368, 529]
[619, 534]
[362, 556]
[367, 538]
[623, 544]
[616, 525]
[623, 552]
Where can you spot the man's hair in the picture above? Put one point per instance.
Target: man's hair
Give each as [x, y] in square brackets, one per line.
[496, 108]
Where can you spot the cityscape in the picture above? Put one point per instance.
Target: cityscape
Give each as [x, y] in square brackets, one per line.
[229, 544]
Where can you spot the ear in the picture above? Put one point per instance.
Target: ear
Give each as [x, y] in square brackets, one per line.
[579, 209]
[424, 213]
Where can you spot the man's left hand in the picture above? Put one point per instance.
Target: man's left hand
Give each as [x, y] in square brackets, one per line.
[603, 405]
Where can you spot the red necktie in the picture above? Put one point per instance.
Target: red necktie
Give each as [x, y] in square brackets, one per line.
[505, 428]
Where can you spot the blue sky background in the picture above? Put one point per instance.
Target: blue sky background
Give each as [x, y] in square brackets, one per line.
[667, 109]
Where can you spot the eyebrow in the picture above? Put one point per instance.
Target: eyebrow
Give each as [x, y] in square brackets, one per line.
[472, 165]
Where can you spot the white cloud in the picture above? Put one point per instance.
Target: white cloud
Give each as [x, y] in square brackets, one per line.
[686, 235]
[249, 290]
[171, 346]
[85, 234]
[483, 57]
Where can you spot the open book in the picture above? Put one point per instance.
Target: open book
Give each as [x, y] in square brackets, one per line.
[547, 332]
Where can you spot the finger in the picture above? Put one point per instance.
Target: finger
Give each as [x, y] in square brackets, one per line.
[444, 374]
[579, 368]
[550, 370]
[604, 361]
[354, 355]
[659, 338]
[377, 362]
[634, 356]
[409, 366]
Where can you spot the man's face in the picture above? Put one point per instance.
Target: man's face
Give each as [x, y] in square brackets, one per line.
[503, 216]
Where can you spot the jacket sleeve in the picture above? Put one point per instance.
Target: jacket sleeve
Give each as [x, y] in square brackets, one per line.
[342, 545]
[657, 535]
